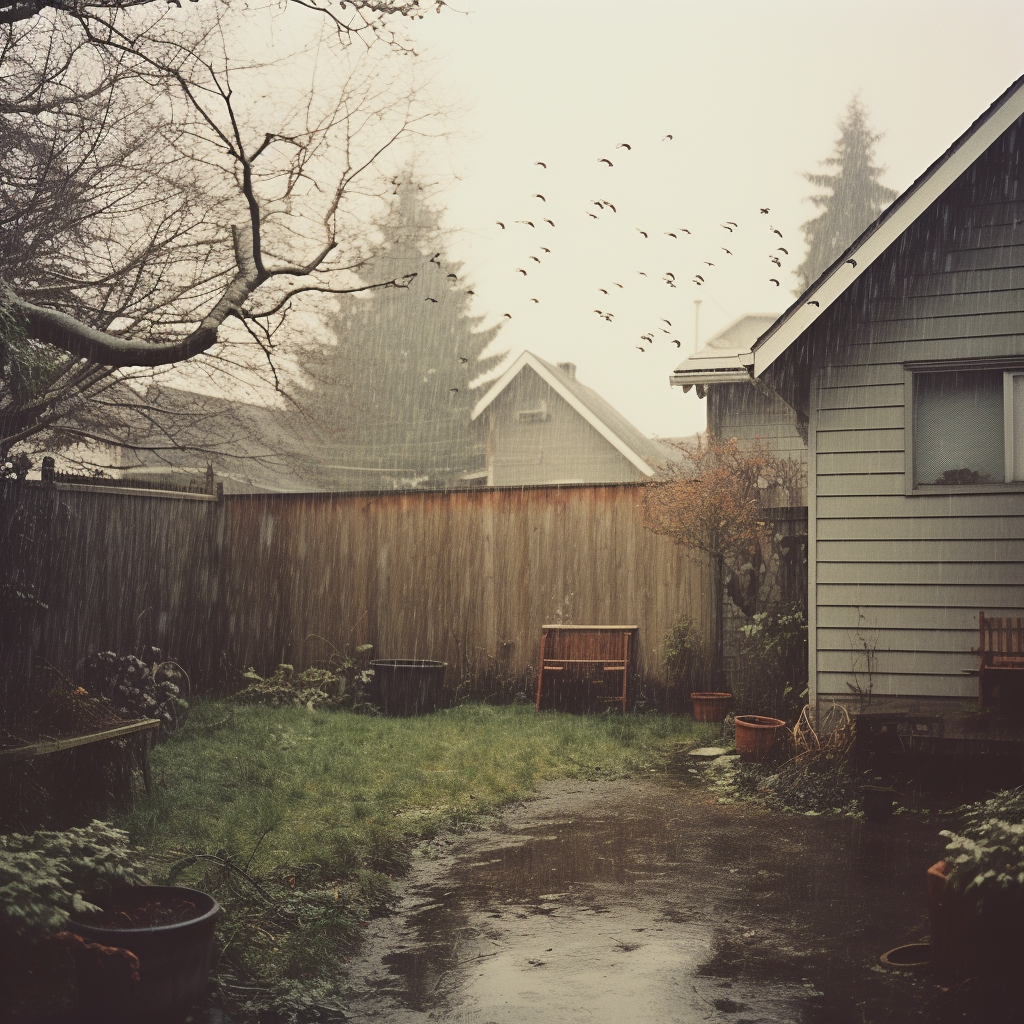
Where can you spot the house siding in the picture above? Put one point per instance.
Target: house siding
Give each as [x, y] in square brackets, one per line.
[562, 448]
[741, 411]
[897, 580]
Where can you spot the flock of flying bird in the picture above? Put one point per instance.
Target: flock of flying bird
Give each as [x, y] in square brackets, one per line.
[718, 250]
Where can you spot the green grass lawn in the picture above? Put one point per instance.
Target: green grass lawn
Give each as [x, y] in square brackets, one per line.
[323, 807]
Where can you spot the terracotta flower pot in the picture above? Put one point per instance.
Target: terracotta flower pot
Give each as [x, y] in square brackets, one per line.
[757, 736]
[710, 707]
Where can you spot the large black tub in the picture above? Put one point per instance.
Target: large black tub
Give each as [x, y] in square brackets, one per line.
[405, 686]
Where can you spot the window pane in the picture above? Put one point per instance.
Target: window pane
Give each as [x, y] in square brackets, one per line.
[958, 427]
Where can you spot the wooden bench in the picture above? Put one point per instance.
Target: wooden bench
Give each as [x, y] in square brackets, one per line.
[1001, 647]
[594, 659]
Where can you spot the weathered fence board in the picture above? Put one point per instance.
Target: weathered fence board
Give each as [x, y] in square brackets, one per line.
[466, 577]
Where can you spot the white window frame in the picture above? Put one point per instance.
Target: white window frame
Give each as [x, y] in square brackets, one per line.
[1011, 368]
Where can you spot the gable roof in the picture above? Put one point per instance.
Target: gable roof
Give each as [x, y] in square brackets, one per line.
[889, 226]
[725, 356]
[642, 451]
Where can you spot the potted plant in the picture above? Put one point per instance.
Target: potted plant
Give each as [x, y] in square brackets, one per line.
[688, 661]
[976, 895]
[141, 952]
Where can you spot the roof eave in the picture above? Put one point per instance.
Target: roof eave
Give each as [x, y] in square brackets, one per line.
[888, 227]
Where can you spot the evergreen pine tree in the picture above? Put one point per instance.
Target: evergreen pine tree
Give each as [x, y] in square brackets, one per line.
[390, 397]
[855, 199]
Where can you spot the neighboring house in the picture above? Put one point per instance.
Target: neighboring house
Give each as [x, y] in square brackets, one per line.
[544, 427]
[737, 406]
[906, 360]
[176, 434]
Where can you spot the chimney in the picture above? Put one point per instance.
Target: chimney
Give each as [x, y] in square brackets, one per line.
[569, 369]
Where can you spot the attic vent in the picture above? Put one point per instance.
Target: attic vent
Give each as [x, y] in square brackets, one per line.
[538, 415]
[569, 369]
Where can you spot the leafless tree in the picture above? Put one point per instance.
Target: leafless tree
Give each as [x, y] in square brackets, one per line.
[169, 193]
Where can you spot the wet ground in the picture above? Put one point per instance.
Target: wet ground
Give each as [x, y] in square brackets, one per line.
[650, 901]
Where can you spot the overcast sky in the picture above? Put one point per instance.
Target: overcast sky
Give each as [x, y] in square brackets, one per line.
[750, 92]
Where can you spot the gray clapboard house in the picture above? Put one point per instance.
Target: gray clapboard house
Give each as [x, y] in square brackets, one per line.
[905, 359]
[738, 405]
[544, 427]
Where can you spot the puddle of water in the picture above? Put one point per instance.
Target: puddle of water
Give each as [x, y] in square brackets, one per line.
[652, 902]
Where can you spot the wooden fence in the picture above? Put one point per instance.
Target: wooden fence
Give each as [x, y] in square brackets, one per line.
[466, 577]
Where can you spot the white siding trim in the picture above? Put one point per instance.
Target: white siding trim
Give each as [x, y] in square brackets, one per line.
[888, 228]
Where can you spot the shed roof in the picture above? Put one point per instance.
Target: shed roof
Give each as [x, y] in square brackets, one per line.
[726, 355]
[889, 226]
[645, 453]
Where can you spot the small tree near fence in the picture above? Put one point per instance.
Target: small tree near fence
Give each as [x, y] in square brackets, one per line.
[718, 500]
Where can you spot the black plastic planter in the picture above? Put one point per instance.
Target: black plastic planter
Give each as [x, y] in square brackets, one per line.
[406, 686]
[174, 960]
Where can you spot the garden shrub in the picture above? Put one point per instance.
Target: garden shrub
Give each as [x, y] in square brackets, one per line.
[688, 657]
[138, 690]
[775, 648]
[43, 876]
[342, 684]
[986, 858]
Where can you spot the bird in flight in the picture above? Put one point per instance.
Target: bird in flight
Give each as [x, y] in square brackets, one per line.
[463, 360]
[540, 163]
[781, 249]
[508, 316]
[535, 300]
[551, 222]
[452, 277]
[698, 283]
[519, 270]
[433, 259]
[623, 145]
[776, 231]
[727, 251]
[455, 390]
[500, 225]
[594, 215]
[610, 206]
[733, 223]
[774, 281]
[470, 292]
[544, 249]
[530, 222]
[597, 203]
[814, 302]
[852, 263]
[686, 231]
[644, 233]
[775, 260]
[670, 235]
[676, 343]
[429, 299]
[668, 138]
[764, 209]
[727, 228]
[617, 285]
[697, 277]
[641, 273]
[536, 259]
[537, 195]
[603, 290]
[605, 160]
[709, 264]
[664, 321]
[642, 349]
[668, 273]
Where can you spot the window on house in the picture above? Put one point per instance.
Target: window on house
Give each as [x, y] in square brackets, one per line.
[968, 427]
[538, 415]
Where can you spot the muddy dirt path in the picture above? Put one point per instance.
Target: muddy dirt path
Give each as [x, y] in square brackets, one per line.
[649, 901]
